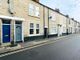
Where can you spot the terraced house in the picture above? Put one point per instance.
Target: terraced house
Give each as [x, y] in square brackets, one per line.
[77, 29]
[28, 20]
[70, 25]
[52, 23]
[11, 26]
[50, 26]
[61, 24]
[73, 25]
[20, 20]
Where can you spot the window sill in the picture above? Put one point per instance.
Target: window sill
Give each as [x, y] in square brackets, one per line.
[34, 16]
[34, 34]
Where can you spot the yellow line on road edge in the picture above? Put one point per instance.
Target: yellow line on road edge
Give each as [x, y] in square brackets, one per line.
[31, 47]
[23, 49]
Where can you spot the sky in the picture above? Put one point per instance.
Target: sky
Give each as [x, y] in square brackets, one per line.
[67, 7]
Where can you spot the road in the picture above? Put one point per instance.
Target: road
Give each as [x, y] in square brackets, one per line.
[67, 48]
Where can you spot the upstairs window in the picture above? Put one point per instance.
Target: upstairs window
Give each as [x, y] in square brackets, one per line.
[37, 11]
[31, 9]
[52, 16]
[34, 10]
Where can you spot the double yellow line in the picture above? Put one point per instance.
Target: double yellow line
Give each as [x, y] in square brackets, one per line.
[33, 46]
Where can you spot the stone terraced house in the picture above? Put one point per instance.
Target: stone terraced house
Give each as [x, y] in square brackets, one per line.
[23, 20]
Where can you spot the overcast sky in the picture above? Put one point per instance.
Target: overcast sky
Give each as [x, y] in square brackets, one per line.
[70, 7]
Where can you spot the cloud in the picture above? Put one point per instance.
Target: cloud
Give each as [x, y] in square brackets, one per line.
[70, 7]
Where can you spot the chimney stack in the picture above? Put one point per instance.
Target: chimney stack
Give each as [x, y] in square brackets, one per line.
[57, 10]
[72, 18]
[67, 16]
[36, 0]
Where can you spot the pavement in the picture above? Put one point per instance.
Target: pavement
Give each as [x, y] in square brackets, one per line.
[4, 50]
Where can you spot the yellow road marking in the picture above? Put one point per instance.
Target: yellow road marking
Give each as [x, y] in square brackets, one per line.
[31, 47]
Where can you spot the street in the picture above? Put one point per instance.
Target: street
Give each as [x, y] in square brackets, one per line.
[67, 48]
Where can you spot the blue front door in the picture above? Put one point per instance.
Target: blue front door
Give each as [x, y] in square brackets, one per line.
[6, 33]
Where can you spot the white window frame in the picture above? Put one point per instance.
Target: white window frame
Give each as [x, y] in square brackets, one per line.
[37, 13]
[53, 30]
[31, 9]
[38, 27]
[31, 28]
[34, 10]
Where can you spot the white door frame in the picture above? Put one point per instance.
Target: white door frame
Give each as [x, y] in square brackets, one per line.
[59, 30]
[10, 33]
[22, 33]
[15, 19]
[2, 32]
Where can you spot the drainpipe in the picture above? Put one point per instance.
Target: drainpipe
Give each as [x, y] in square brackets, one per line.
[48, 22]
[66, 26]
[43, 20]
[10, 7]
[11, 12]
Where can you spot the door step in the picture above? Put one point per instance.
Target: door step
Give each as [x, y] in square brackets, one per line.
[6, 44]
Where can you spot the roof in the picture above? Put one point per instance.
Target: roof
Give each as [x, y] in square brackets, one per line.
[53, 10]
[49, 8]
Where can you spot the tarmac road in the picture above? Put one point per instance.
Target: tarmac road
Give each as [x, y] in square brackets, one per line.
[67, 48]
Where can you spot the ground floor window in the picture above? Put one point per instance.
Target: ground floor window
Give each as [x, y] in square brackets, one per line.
[37, 31]
[31, 28]
[52, 30]
[31, 31]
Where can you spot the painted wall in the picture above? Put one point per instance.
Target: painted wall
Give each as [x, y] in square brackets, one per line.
[77, 27]
[52, 22]
[61, 23]
[64, 25]
[73, 27]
